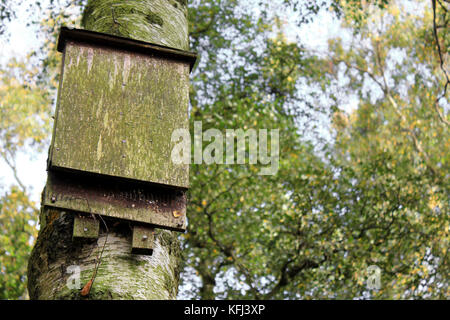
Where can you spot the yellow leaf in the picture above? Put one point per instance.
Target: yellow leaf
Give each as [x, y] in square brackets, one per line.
[176, 213]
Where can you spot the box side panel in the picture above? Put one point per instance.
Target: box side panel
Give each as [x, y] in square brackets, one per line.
[117, 112]
[162, 208]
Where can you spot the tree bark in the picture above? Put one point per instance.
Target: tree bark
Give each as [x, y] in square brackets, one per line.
[120, 274]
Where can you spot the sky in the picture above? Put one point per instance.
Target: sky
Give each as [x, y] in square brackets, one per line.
[23, 39]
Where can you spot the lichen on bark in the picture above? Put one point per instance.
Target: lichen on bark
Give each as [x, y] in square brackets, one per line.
[120, 274]
[158, 21]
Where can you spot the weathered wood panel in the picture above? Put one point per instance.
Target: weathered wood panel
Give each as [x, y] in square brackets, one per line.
[157, 206]
[116, 112]
[143, 240]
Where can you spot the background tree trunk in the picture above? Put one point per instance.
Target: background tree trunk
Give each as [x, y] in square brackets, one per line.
[120, 275]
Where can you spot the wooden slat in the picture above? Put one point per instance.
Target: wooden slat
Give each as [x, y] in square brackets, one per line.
[85, 227]
[143, 240]
[161, 207]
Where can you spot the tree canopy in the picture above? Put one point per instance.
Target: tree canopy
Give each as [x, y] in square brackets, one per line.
[364, 149]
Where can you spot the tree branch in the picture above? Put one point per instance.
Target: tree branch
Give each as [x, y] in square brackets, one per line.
[229, 253]
[288, 274]
[11, 164]
[441, 60]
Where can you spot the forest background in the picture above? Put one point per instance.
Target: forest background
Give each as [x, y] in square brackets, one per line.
[359, 92]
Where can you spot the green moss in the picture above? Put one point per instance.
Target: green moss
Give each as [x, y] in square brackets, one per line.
[170, 283]
[120, 10]
[87, 14]
[154, 18]
[169, 239]
[182, 2]
[140, 19]
[133, 260]
[103, 294]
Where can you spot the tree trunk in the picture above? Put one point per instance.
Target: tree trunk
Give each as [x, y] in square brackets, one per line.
[120, 275]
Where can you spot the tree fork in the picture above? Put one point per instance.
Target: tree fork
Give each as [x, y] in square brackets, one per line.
[107, 261]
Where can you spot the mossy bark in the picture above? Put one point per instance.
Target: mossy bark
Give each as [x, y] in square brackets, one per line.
[158, 21]
[120, 275]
